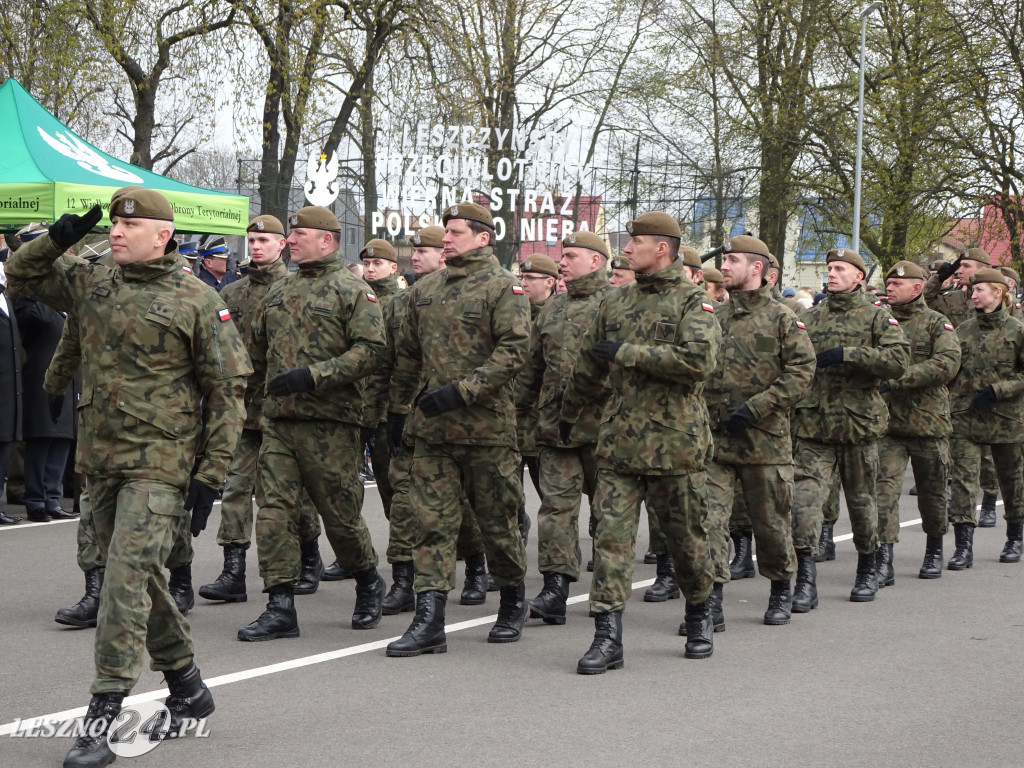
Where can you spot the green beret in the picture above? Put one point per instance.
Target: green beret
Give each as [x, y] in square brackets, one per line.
[712, 275]
[906, 269]
[428, 237]
[620, 262]
[470, 211]
[655, 223]
[268, 224]
[977, 254]
[690, 257]
[989, 276]
[746, 244]
[314, 217]
[139, 203]
[848, 255]
[586, 240]
[379, 249]
[1010, 273]
[542, 265]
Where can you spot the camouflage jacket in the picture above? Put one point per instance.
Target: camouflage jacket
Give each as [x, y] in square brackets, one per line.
[992, 353]
[468, 324]
[155, 344]
[245, 300]
[526, 402]
[655, 421]
[956, 304]
[375, 392]
[919, 400]
[326, 319]
[554, 347]
[844, 405]
[767, 362]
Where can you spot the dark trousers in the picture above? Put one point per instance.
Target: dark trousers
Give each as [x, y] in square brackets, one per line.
[45, 459]
[5, 454]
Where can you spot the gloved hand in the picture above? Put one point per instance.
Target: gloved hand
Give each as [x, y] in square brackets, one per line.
[56, 403]
[367, 437]
[985, 398]
[830, 357]
[741, 418]
[565, 431]
[441, 400]
[70, 228]
[290, 382]
[199, 502]
[885, 388]
[396, 426]
[946, 270]
[606, 349]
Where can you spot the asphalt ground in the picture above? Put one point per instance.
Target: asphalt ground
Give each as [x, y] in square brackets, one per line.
[926, 675]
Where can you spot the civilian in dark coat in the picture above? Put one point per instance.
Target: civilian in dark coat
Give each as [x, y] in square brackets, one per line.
[10, 388]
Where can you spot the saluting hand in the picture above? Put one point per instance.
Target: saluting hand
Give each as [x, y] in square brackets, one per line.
[70, 228]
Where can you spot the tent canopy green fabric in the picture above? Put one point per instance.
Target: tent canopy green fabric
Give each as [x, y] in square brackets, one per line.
[46, 170]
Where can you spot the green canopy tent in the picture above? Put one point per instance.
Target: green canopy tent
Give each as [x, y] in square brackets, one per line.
[46, 170]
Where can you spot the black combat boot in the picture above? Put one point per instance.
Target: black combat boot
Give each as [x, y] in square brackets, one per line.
[606, 651]
[665, 586]
[426, 633]
[370, 591]
[279, 620]
[334, 572]
[780, 604]
[963, 555]
[717, 612]
[931, 568]
[549, 604]
[987, 517]
[83, 613]
[401, 597]
[649, 558]
[699, 631]
[865, 586]
[190, 698]
[826, 545]
[91, 749]
[1014, 544]
[180, 587]
[742, 565]
[883, 566]
[230, 585]
[805, 594]
[512, 612]
[474, 591]
[312, 569]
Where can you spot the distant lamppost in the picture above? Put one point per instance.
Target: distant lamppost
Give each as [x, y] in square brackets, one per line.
[868, 10]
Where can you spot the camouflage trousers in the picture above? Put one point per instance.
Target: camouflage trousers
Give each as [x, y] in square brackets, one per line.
[680, 502]
[771, 518]
[988, 478]
[831, 511]
[929, 458]
[565, 475]
[739, 520]
[236, 516]
[321, 457]
[381, 458]
[965, 461]
[816, 464]
[136, 523]
[443, 476]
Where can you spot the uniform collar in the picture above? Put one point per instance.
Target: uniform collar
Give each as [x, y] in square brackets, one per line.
[329, 263]
[268, 273]
[673, 274]
[586, 285]
[467, 263]
[144, 271]
[841, 302]
[994, 319]
[386, 286]
[905, 311]
[748, 301]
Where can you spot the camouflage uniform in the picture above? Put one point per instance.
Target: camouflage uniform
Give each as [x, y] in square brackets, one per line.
[154, 343]
[376, 391]
[654, 440]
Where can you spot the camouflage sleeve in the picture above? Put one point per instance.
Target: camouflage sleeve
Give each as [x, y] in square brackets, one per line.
[528, 383]
[933, 292]
[691, 358]
[405, 377]
[796, 353]
[510, 329]
[375, 395]
[67, 358]
[258, 343]
[940, 367]
[36, 271]
[367, 348]
[589, 374]
[887, 358]
[1013, 385]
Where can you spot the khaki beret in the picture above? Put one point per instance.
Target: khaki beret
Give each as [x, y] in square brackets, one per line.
[976, 254]
[773, 263]
[907, 270]
[269, 224]
[379, 249]
[541, 264]
[1010, 273]
[989, 276]
[314, 217]
[586, 240]
[712, 275]
[470, 211]
[139, 203]
[934, 266]
[125, 191]
[690, 257]
[428, 237]
[746, 244]
[620, 262]
[655, 223]
[848, 255]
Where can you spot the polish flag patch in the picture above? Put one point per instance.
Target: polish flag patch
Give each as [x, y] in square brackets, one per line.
[801, 325]
[707, 307]
[947, 326]
[371, 297]
[187, 270]
[224, 315]
[517, 289]
[893, 321]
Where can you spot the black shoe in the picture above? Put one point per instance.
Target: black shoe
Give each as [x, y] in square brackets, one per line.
[665, 586]
[230, 585]
[524, 526]
[826, 544]
[987, 516]
[649, 558]
[180, 587]
[805, 594]
[37, 515]
[549, 604]
[512, 612]
[780, 604]
[474, 591]
[931, 568]
[699, 631]
[590, 564]
[370, 591]
[426, 633]
[91, 750]
[6, 519]
[865, 586]
[59, 513]
[963, 555]
[492, 585]
[333, 572]
[714, 603]
[606, 651]
[190, 698]
[913, 490]
[742, 565]
[312, 569]
[401, 598]
[279, 620]
[883, 566]
[83, 613]
[1014, 545]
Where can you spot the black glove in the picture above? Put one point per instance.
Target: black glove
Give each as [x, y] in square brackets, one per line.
[290, 382]
[984, 398]
[396, 426]
[70, 228]
[367, 436]
[946, 270]
[741, 418]
[199, 502]
[565, 431]
[441, 400]
[56, 403]
[830, 357]
[606, 349]
[885, 388]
